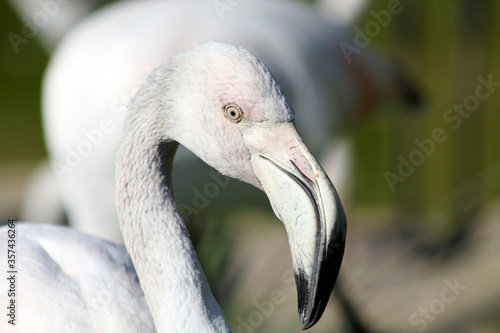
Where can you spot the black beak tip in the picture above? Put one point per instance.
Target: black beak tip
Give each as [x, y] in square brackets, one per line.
[305, 300]
[311, 310]
[308, 322]
[309, 316]
[312, 300]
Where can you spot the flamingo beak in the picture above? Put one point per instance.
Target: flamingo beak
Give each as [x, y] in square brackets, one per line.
[304, 199]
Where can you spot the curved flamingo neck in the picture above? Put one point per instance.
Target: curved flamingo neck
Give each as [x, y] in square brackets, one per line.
[176, 290]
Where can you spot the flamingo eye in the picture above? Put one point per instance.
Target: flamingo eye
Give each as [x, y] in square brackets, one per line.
[233, 113]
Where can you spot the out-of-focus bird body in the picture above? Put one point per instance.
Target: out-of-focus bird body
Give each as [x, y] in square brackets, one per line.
[100, 64]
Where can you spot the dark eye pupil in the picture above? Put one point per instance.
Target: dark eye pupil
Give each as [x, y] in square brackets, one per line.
[233, 112]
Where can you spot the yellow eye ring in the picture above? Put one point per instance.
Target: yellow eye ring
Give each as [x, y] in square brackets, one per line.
[233, 113]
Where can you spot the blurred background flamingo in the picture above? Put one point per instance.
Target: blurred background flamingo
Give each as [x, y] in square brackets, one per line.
[101, 62]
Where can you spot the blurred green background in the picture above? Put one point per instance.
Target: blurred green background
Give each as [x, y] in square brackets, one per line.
[21, 73]
[445, 46]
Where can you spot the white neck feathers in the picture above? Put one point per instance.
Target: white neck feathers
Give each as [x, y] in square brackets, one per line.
[155, 234]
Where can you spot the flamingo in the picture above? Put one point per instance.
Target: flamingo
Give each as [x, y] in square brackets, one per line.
[220, 102]
[100, 63]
